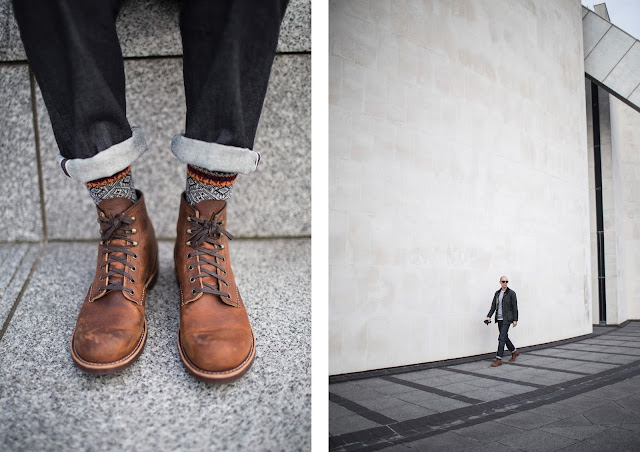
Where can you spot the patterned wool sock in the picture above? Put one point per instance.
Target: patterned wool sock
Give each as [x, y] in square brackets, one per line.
[120, 185]
[204, 185]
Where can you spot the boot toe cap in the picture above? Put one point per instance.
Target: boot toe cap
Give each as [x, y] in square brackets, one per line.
[217, 351]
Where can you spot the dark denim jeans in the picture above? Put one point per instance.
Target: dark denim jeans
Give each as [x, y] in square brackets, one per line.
[75, 55]
[503, 338]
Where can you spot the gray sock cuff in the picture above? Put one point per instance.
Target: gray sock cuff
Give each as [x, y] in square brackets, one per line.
[214, 156]
[108, 162]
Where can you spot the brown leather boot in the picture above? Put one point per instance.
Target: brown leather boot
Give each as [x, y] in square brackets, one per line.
[215, 339]
[496, 363]
[514, 355]
[111, 329]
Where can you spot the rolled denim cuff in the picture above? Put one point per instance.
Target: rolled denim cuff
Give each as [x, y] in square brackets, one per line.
[214, 156]
[108, 162]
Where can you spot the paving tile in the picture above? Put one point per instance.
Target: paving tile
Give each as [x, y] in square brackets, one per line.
[610, 440]
[583, 403]
[557, 410]
[353, 391]
[348, 424]
[488, 432]
[492, 447]
[21, 212]
[446, 442]
[418, 397]
[392, 388]
[578, 432]
[538, 441]
[10, 45]
[405, 411]
[14, 271]
[47, 404]
[160, 34]
[336, 411]
[274, 201]
[612, 392]
[486, 394]
[526, 420]
[611, 414]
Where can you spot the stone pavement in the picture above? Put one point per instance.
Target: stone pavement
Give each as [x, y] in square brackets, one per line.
[575, 395]
[48, 404]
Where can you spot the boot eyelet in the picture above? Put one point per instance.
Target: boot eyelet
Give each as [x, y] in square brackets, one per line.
[133, 281]
[188, 218]
[193, 292]
[188, 231]
[133, 269]
[192, 279]
[224, 272]
[188, 243]
[132, 292]
[135, 256]
[189, 256]
[134, 230]
[101, 278]
[226, 285]
[190, 267]
[133, 218]
[135, 243]
[222, 259]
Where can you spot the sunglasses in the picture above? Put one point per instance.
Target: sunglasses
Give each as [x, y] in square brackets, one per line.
[504, 281]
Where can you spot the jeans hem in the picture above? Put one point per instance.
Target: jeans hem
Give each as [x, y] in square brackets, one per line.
[214, 156]
[108, 162]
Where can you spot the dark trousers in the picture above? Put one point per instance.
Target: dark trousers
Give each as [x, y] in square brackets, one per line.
[75, 55]
[503, 338]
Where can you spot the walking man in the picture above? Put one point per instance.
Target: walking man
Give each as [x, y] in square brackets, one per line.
[505, 305]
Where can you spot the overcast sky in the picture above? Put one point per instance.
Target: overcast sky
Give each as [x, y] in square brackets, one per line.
[624, 14]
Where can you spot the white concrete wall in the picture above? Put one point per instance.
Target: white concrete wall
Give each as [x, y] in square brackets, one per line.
[457, 154]
[625, 137]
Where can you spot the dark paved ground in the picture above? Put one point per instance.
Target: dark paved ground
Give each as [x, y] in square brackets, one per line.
[578, 395]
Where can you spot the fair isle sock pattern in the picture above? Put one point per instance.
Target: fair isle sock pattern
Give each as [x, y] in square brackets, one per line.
[204, 185]
[120, 185]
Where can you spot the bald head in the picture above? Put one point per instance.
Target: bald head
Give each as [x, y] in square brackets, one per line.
[503, 282]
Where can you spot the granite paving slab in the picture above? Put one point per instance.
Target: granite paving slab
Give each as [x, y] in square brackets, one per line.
[21, 212]
[48, 404]
[445, 442]
[150, 28]
[16, 264]
[537, 441]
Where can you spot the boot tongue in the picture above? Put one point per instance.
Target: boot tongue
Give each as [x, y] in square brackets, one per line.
[207, 208]
[113, 206]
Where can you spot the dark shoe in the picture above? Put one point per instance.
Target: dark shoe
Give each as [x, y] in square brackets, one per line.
[514, 355]
[111, 329]
[215, 339]
[496, 363]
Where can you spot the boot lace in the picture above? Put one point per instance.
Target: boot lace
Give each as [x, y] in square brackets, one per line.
[117, 228]
[211, 232]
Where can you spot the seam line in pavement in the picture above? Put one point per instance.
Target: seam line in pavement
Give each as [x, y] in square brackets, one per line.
[635, 347]
[435, 424]
[361, 410]
[493, 378]
[565, 371]
[595, 351]
[440, 392]
[575, 359]
[24, 287]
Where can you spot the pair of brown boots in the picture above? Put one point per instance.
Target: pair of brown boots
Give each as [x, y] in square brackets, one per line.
[215, 338]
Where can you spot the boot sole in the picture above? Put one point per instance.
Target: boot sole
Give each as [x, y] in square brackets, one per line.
[227, 376]
[116, 366]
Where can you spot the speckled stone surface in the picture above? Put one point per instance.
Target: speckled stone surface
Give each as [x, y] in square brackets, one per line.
[150, 28]
[274, 201]
[16, 260]
[47, 404]
[19, 190]
[10, 44]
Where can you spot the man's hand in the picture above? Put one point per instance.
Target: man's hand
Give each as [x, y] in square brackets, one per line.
[489, 319]
[515, 323]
